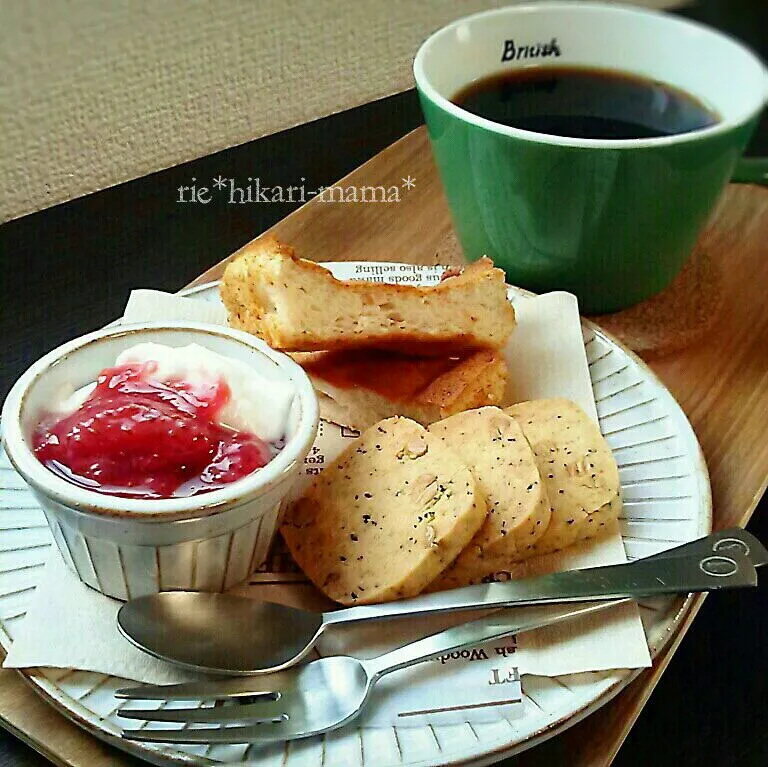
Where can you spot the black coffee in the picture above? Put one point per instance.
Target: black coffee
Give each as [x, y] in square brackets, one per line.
[584, 103]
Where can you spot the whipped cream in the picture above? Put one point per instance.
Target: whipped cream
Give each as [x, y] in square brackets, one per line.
[257, 405]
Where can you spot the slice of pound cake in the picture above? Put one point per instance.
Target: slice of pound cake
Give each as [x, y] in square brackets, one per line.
[358, 387]
[297, 305]
[391, 513]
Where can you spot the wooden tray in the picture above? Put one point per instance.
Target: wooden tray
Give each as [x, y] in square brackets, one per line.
[720, 383]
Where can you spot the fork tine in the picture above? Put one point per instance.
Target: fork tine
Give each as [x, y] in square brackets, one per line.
[251, 713]
[223, 689]
[212, 735]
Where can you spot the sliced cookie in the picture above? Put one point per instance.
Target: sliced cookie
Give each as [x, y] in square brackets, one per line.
[577, 468]
[391, 513]
[492, 444]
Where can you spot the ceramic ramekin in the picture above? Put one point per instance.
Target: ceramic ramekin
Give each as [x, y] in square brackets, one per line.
[129, 547]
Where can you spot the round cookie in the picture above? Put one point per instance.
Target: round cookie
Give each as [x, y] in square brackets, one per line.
[391, 513]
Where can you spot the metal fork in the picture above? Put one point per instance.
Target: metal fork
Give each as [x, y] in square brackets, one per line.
[324, 694]
[328, 693]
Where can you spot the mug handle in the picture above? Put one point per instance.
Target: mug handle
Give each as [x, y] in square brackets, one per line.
[751, 170]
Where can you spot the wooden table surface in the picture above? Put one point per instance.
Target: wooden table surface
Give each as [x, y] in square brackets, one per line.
[721, 383]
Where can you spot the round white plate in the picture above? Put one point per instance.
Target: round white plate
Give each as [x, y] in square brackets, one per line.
[666, 502]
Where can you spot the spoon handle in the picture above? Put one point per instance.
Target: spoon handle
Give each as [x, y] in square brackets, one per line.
[704, 565]
[506, 622]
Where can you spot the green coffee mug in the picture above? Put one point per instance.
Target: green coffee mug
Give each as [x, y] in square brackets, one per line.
[612, 221]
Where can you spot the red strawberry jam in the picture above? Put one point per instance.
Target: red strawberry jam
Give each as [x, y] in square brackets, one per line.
[139, 437]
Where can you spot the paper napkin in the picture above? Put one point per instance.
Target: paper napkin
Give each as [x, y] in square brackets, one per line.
[69, 625]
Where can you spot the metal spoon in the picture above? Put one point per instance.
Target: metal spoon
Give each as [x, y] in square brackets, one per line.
[226, 634]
